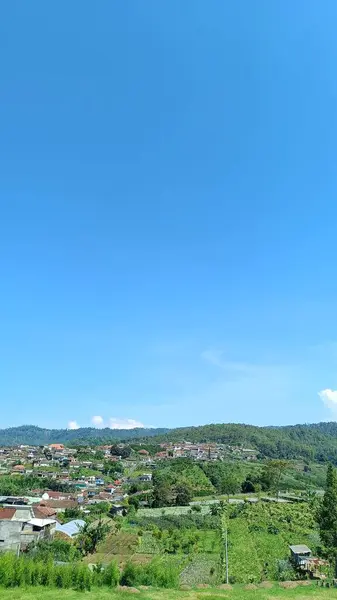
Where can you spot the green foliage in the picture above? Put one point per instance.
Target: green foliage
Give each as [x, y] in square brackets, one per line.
[92, 534]
[20, 484]
[59, 550]
[156, 573]
[316, 441]
[259, 536]
[36, 436]
[176, 481]
[111, 575]
[115, 469]
[327, 514]
[25, 571]
[121, 450]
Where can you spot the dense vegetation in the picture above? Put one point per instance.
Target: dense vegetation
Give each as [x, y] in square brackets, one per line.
[22, 571]
[19, 484]
[36, 436]
[317, 441]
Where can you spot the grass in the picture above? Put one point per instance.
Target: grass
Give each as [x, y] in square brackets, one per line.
[238, 593]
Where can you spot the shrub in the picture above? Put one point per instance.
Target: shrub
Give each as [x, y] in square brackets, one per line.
[157, 573]
[111, 575]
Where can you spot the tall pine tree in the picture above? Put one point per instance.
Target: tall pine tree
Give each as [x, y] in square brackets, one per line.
[327, 514]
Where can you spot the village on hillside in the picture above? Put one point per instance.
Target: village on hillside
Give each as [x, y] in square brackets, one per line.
[167, 500]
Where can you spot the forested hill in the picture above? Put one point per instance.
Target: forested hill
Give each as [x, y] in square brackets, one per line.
[317, 441]
[36, 436]
[312, 442]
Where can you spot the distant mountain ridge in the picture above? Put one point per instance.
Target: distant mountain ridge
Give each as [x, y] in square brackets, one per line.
[37, 436]
[316, 441]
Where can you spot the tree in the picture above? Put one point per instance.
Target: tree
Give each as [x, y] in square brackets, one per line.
[162, 494]
[327, 514]
[72, 513]
[272, 474]
[91, 535]
[122, 451]
[183, 494]
[230, 484]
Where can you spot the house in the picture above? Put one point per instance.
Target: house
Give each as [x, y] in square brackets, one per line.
[117, 510]
[145, 477]
[300, 554]
[59, 505]
[303, 560]
[20, 469]
[19, 527]
[56, 447]
[44, 512]
[51, 495]
[13, 500]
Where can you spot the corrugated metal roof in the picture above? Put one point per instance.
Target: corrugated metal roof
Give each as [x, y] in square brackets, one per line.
[72, 528]
[41, 522]
[300, 549]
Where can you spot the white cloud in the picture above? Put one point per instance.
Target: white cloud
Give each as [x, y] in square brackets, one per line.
[97, 421]
[115, 423]
[329, 397]
[73, 425]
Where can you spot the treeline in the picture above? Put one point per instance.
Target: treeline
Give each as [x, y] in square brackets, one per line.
[25, 571]
[89, 436]
[176, 482]
[23, 484]
[312, 442]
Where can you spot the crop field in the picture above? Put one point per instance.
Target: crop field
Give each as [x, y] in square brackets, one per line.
[259, 539]
[171, 510]
[259, 536]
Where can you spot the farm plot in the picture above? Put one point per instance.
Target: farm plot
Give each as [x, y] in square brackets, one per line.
[118, 546]
[172, 510]
[260, 535]
[202, 568]
[244, 563]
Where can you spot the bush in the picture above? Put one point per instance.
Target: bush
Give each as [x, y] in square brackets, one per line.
[285, 571]
[157, 573]
[111, 575]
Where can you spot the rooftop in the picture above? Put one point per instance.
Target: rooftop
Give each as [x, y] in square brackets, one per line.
[300, 549]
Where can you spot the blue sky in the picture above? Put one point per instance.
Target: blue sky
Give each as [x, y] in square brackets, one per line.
[168, 212]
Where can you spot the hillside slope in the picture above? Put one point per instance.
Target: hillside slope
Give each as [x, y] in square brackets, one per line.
[317, 441]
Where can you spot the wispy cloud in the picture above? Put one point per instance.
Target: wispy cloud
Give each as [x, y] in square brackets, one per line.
[116, 423]
[329, 398]
[218, 359]
[73, 425]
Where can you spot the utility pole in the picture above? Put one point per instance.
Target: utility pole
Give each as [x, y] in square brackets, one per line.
[226, 546]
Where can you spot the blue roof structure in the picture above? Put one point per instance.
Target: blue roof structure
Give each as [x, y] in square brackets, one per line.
[72, 528]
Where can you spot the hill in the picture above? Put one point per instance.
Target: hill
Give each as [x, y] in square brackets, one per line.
[312, 442]
[317, 441]
[37, 436]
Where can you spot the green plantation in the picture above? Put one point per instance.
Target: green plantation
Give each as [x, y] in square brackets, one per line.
[259, 537]
[191, 542]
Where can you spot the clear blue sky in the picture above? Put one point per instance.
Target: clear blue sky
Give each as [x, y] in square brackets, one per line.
[168, 216]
